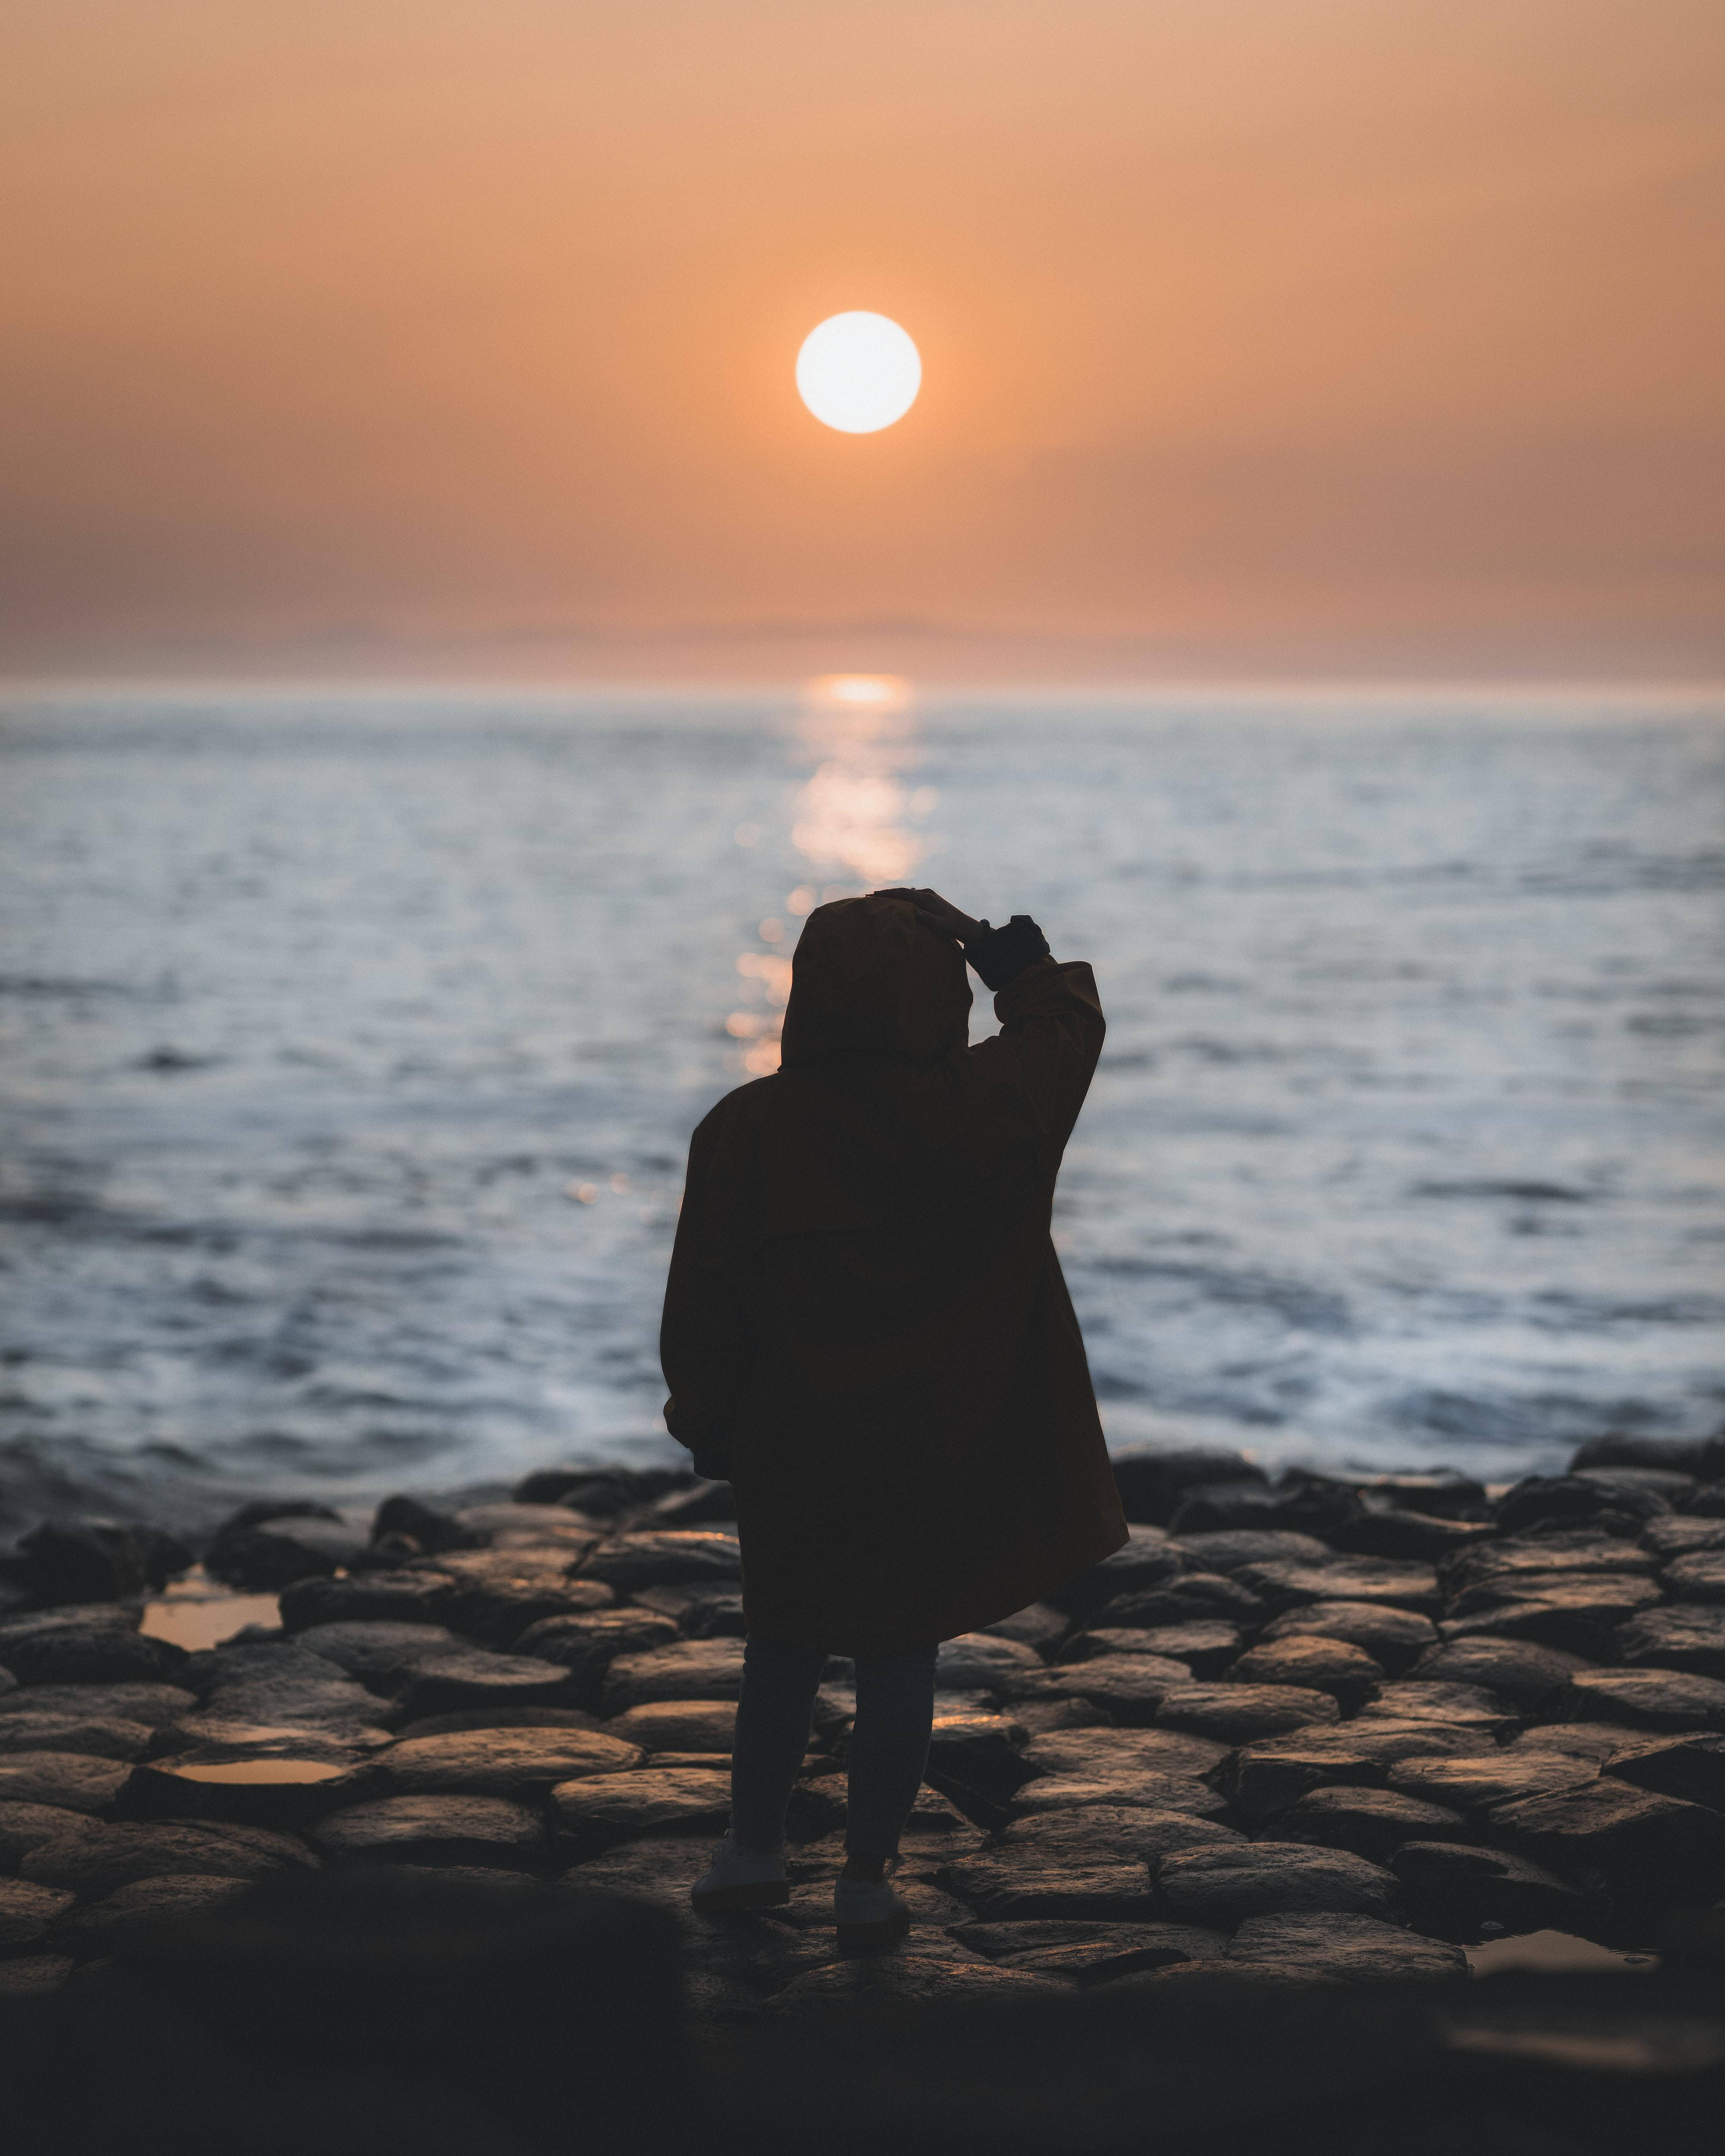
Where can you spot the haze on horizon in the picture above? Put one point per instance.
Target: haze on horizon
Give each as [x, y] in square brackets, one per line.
[1321, 337]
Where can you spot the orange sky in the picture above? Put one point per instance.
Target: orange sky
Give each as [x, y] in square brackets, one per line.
[1259, 335]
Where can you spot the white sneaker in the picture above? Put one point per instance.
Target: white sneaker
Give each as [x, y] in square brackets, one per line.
[734, 1881]
[869, 1913]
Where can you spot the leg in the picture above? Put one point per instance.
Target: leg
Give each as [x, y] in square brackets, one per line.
[889, 1750]
[773, 1716]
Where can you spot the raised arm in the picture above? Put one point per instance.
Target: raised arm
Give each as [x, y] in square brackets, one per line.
[1051, 1025]
[705, 1345]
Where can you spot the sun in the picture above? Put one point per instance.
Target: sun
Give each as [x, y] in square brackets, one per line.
[858, 373]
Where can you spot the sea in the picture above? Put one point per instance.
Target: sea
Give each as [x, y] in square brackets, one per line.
[351, 1040]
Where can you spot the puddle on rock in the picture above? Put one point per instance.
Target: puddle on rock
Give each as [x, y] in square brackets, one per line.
[270, 1771]
[196, 1612]
[1554, 1953]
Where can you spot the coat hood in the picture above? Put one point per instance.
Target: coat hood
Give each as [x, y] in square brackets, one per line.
[868, 980]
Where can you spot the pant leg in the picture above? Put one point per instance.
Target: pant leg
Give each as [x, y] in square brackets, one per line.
[889, 1748]
[773, 1716]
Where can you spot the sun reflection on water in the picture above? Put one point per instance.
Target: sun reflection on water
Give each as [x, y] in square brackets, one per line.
[852, 824]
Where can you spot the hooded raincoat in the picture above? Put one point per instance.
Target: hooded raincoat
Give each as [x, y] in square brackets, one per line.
[865, 1327]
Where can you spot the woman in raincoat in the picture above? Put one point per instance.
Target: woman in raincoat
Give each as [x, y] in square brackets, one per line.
[867, 1333]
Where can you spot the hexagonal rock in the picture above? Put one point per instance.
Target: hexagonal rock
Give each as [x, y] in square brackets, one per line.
[415, 1597]
[1346, 1672]
[1147, 1559]
[1680, 1534]
[133, 1913]
[1372, 1822]
[1106, 1834]
[980, 1751]
[1609, 1821]
[1190, 1598]
[1141, 1791]
[1221, 1888]
[1129, 1688]
[1229, 1550]
[493, 1595]
[1684, 1635]
[1006, 1889]
[472, 1676]
[103, 1738]
[28, 1911]
[667, 1557]
[1087, 1954]
[586, 1646]
[1582, 1740]
[99, 1859]
[74, 1781]
[523, 1764]
[1530, 1677]
[1286, 1586]
[1206, 1648]
[1393, 1637]
[266, 1787]
[1650, 1698]
[603, 1808]
[977, 1661]
[678, 1725]
[1454, 1890]
[377, 1652]
[281, 1684]
[895, 1985]
[1355, 1949]
[1577, 1617]
[1698, 1577]
[1245, 1714]
[490, 1831]
[1104, 1751]
[23, 1826]
[692, 1668]
[1693, 1767]
[156, 1705]
[1267, 1778]
[96, 1644]
[1455, 1706]
[1527, 1557]
[1485, 1779]
[1605, 1597]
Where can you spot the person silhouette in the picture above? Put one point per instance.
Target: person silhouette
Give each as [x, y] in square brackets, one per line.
[866, 1332]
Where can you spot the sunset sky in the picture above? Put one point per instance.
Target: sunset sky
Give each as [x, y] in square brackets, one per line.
[1259, 337]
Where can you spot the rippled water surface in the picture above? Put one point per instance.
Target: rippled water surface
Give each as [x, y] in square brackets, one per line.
[351, 1044]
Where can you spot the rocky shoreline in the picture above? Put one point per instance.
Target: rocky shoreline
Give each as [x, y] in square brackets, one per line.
[1313, 1737]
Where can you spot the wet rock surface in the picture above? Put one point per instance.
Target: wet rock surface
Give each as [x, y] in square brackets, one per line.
[1337, 1946]
[1372, 1822]
[489, 1831]
[99, 1859]
[74, 1781]
[1220, 1887]
[1243, 1713]
[1274, 1751]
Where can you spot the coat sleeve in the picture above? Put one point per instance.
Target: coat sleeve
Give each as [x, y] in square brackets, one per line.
[706, 1348]
[1046, 1050]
